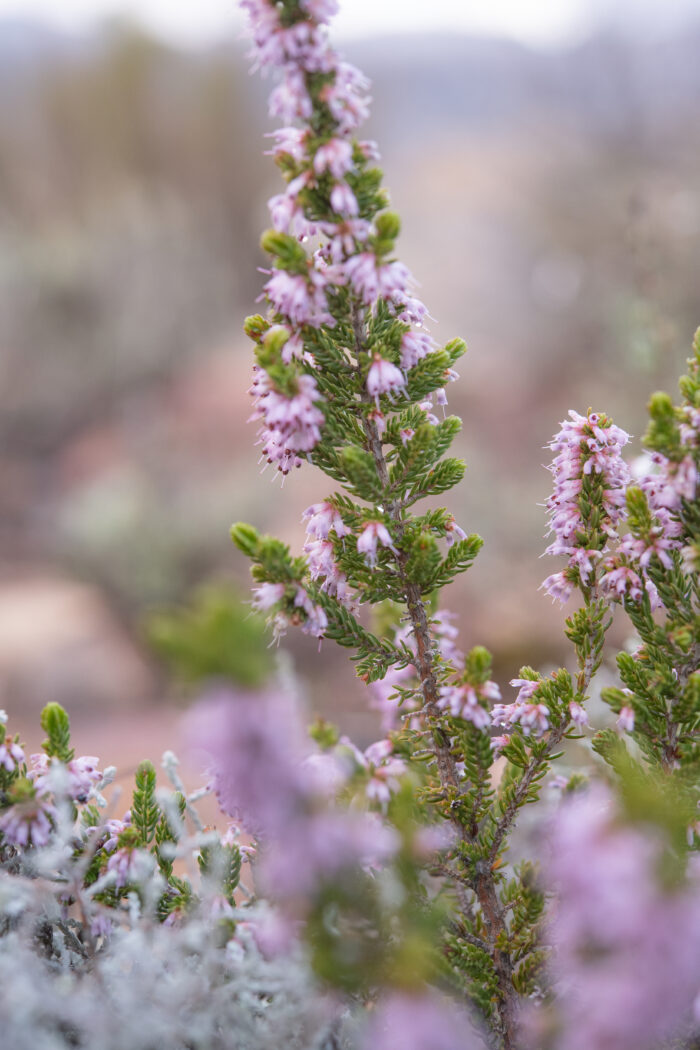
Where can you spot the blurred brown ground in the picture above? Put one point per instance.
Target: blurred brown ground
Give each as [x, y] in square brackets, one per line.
[551, 214]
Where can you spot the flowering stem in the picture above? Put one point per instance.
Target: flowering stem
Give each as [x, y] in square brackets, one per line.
[484, 885]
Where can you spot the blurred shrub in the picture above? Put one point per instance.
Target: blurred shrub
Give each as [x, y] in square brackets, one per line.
[216, 636]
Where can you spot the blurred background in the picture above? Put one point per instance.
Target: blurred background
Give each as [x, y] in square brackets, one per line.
[544, 158]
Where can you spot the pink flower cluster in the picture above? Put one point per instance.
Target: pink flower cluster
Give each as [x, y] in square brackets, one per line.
[300, 300]
[666, 484]
[322, 519]
[527, 712]
[626, 948]
[290, 425]
[420, 1020]
[130, 866]
[83, 775]
[300, 609]
[384, 769]
[465, 701]
[11, 755]
[374, 534]
[29, 822]
[586, 446]
[257, 751]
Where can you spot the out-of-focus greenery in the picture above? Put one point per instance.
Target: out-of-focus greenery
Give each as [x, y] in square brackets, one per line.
[215, 637]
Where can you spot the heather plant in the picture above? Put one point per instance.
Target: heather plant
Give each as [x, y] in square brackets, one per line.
[346, 378]
[379, 899]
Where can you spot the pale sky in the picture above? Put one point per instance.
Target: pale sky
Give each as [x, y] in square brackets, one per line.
[532, 21]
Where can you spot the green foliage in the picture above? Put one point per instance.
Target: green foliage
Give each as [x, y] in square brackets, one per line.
[166, 836]
[145, 812]
[216, 636]
[55, 723]
[222, 863]
[360, 473]
[459, 558]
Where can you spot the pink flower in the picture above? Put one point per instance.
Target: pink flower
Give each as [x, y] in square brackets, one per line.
[585, 446]
[343, 236]
[302, 301]
[83, 775]
[291, 142]
[621, 581]
[11, 755]
[334, 156]
[27, 823]
[373, 533]
[101, 926]
[321, 10]
[453, 532]
[322, 518]
[427, 407]
[625, 720]
[642, 550]
[385, 769]
[627, 947]
[420, 1021]
[290, 100]
[535, 718]
[579, 715]
[558, 587]
[527, 687]
[383, 378]
[322, 565]
[372, 280]
[290, 424]
[446, 634]
[315, 620]
[370, 150]
[265, 595]
[130, 866]
[114, 828]
[415, 346]
[346, 97]
[343, 200]
[463, 701]
[257, 747]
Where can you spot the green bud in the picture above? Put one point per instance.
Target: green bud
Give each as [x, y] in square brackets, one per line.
[255, 327]
[423, 560]
[661, 407]
[290, 254]
[325, 734]
[455, 348]
[388, 225]
[246, 538]
[56, 725]
[360, 469]
[478, 664]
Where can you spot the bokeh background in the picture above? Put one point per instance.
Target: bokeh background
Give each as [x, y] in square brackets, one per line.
[544, 159]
